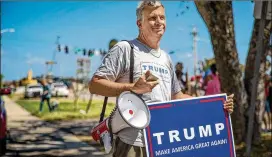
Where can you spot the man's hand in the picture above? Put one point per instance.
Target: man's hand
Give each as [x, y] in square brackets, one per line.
[142, 85]
[228, 105]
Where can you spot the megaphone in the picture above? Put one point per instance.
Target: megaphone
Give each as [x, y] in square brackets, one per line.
[130, 111]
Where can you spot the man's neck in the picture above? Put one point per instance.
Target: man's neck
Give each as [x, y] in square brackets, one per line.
[151, 42]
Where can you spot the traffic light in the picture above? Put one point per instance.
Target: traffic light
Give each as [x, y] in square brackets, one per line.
[84, 52]
[66, 50]
[59, 48]
[90, 53]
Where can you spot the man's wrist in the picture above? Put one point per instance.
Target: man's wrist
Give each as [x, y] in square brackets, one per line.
[128, 87]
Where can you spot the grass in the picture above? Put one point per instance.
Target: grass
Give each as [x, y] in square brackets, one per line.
[15, 97]
[65, 110]
[262, 150]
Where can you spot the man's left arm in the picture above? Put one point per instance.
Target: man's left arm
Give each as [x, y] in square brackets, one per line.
[228, 104]
[180, 95]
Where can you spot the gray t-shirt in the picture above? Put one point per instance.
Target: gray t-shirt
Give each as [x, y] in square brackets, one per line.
[115, 67]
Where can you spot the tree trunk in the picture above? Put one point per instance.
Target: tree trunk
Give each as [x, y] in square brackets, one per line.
[218, 17]
[76, 102]
[249, 68]
[89, 103]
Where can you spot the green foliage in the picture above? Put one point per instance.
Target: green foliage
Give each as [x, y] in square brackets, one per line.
[1, 79]
[112, 43]
[264, 149]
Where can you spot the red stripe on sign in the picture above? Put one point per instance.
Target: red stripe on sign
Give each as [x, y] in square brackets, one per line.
[161, 106]
[229, 134]
[212, 100]
[150, 143]
[227, 121]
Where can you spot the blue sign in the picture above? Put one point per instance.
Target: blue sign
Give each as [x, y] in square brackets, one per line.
[197, 127]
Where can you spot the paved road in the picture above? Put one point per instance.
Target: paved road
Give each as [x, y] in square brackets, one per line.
[30, 136]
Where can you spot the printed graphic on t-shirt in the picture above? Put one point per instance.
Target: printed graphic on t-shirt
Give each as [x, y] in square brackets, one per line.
[159, 92]
[160, 71]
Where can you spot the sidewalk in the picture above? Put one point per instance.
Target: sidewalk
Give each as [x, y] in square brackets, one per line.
[30, 136]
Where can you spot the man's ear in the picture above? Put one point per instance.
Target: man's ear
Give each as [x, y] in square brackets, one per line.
[139, 24]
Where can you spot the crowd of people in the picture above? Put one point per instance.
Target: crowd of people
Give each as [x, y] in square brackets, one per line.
[208, 83]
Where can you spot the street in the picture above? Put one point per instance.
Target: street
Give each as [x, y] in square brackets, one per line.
[30, 136]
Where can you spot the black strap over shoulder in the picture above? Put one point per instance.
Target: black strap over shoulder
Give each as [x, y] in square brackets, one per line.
[131, 65]
[131, 69]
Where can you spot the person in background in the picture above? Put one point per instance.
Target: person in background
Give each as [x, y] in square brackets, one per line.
[46, 95]
[267, 113]
[213, 85]
[180, 76]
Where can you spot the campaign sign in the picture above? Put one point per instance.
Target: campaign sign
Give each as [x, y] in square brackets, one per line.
[197, 127]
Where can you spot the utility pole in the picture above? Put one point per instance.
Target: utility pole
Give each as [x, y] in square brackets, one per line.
[48, 73]
[195, 33]
[54, 54]
[82, 73]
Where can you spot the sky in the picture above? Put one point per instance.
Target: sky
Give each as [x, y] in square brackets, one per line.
[92, 24]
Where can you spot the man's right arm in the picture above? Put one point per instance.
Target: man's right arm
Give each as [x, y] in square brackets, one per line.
[101, 86]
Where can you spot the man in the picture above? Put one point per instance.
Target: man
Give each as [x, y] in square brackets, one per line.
[46, 95]
[112, 77]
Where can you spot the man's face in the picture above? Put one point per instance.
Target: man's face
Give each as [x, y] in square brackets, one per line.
[153, 22]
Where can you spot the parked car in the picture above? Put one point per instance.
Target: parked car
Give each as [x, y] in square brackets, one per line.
[33, 91]
[3, 121]
[59, 89]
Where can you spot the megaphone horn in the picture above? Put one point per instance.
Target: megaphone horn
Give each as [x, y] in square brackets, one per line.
[130, 111]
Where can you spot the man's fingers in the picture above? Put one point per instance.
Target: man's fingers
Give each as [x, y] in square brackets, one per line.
[229, 101]
[154, 83]
[228, 104]
[227, 107]
[230, 111]
[231, 96]
[147, 73]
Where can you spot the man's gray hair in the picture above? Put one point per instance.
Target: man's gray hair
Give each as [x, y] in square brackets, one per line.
[143, 4]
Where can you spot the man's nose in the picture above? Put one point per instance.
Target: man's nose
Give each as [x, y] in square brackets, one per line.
[159, 20]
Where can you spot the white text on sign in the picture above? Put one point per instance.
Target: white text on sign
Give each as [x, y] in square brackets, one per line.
[203, 132]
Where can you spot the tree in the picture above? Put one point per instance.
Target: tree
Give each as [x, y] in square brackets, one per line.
[1, 79]
[82, 76]
[218, 17]
[260, 100]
